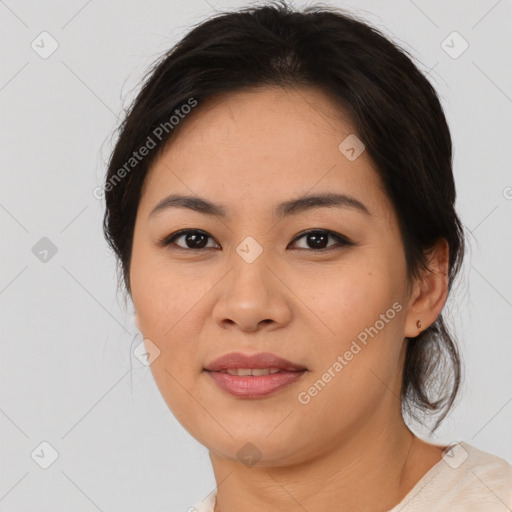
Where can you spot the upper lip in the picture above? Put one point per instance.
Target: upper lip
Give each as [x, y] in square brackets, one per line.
[235, 360]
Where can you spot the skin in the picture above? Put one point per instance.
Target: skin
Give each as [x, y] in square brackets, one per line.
[349, 445]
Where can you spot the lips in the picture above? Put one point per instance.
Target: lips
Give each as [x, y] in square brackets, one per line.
[237, 360]
[253, 376]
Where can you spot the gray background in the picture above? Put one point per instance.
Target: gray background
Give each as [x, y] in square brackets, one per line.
[67, 373]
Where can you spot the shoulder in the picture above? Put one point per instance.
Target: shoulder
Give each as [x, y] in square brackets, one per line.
[484, 466]
[473, 479]
[466, 479]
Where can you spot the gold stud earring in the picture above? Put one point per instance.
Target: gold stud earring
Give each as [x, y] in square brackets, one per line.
[418, 324]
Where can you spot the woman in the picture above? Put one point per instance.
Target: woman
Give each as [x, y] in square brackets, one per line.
[281, 203]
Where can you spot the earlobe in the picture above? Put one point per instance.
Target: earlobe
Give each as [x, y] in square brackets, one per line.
[430, 292]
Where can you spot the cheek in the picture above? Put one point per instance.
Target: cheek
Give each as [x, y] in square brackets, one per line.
[363, 310]
[349, 299]
[169, 316]
[164, 302]
[163, 293]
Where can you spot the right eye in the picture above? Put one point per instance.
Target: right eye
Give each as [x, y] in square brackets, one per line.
[194, 239]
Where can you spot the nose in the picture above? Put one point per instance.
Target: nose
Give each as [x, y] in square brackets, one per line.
[251, 297]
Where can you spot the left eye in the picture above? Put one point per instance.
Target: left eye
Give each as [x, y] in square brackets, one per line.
[318, 237]
[197, 239]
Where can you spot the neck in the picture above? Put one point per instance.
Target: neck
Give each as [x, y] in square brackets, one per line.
[378, 464]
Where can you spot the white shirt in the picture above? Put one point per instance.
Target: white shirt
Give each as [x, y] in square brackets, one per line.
[466, 479]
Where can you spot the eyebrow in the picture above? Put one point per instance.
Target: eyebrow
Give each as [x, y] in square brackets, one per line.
[284, 209]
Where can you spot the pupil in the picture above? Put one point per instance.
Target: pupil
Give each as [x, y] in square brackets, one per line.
[193, 237]
[318, 240]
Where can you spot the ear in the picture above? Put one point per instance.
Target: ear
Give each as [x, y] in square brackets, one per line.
[429, 292]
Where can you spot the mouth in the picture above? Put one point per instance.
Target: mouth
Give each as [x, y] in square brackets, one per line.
[253, 376]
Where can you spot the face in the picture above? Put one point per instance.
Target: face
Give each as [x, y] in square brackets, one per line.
[320, 285]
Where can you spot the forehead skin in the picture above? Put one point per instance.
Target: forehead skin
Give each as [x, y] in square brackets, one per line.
[245, 147]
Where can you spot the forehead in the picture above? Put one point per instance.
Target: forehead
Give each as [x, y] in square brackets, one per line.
[257, 148]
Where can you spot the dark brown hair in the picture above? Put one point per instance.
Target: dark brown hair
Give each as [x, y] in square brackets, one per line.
[393, 108]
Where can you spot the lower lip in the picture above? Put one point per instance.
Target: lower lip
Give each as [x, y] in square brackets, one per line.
[247, 386]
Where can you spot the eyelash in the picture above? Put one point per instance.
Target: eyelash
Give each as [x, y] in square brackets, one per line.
[342, 240]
